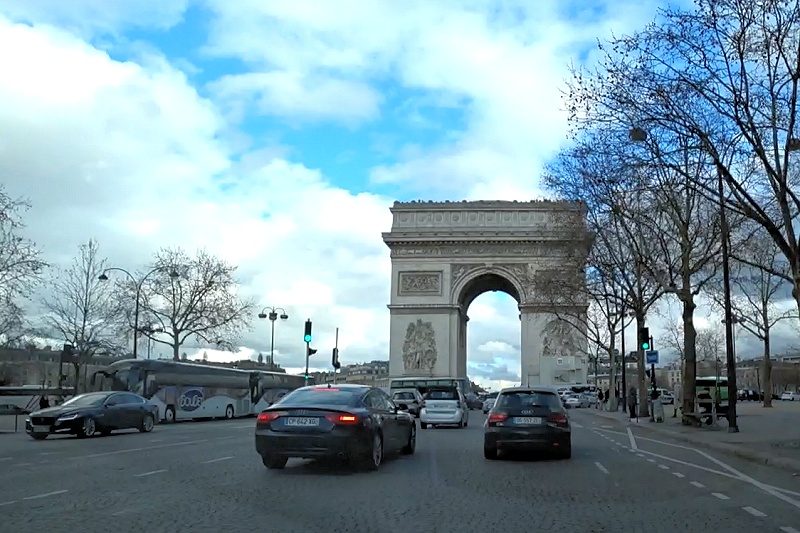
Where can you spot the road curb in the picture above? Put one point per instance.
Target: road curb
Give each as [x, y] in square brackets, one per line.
[752, 456]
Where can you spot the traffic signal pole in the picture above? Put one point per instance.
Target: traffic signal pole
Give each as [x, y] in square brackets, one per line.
[308, 354]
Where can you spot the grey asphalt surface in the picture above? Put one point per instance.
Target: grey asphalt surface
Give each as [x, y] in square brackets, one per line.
[207, 477]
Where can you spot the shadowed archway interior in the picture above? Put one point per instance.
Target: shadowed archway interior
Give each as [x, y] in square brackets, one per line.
[486, 283]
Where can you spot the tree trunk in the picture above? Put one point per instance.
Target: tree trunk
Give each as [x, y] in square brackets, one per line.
[176, 352]
[689, 370]
[767, 381]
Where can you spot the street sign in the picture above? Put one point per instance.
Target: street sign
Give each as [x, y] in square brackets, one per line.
[652, 357]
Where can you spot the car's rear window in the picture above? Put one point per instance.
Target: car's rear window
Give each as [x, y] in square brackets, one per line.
[404, 396]
[523, 399]
[441, 395]
[321, 396]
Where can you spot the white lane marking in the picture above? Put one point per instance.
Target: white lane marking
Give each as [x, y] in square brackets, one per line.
[632, 439]
[720, 496]
[665, 458]
[5, 458]
[753, 511]
[217, 460]
[601, 468]
[663, 467]
[640, 455]
[45, 495]
[606, 427]
[150, 473]
[789, 529]
[119, 512]
[12, 502]
[651, 460]
[154, 440]
[697, 484]
[23, 464]
[50, 453]
[678, 474]
[142, 449]
[743, 477]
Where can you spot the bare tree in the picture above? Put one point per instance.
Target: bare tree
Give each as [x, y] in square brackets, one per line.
[201, 302]
[20, 267]
[82, 310]
[597, 172]
[757, 293]
[723, 79]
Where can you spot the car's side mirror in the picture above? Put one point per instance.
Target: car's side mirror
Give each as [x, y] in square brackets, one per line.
[402, 407]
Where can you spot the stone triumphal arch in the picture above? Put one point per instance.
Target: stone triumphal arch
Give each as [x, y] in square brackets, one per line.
[445, 254]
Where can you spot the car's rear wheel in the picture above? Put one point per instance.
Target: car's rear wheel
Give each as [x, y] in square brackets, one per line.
[375, 458]
[147, 424]
[274, 462]
[490, 452]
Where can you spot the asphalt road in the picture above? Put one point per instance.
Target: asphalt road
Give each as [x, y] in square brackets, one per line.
[197, 477]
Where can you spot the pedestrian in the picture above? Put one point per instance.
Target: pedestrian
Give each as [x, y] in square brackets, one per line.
[632, 401]
[44, 403]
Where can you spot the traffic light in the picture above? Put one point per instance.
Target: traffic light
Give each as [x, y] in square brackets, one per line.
[310, 351]
[335, 359]
[644, 339]
[307, 336]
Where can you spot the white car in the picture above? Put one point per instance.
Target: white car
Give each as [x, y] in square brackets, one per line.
[444, 406]
[488, 403]
[790, 396]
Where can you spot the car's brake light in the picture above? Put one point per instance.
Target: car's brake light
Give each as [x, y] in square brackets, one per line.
[345, 420]
[269, 416]
[496, 418]
[559, 419]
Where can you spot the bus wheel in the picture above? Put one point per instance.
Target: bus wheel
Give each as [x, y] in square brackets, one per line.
[229, 412]
[169, 415]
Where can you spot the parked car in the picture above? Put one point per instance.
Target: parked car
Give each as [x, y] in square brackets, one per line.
[352, 422]
[85, 415]
[790, 396]
[531, 419]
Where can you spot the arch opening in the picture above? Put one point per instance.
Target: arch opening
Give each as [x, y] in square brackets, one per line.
[490, 347]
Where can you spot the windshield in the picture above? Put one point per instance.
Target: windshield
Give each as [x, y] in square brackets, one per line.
[86, 400]
[404, 396]
[320, 397]
[523, 399]
[451, 394]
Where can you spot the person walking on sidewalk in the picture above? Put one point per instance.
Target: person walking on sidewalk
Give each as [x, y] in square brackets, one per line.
[632, 401]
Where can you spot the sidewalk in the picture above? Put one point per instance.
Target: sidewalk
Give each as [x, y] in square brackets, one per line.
[766, 436]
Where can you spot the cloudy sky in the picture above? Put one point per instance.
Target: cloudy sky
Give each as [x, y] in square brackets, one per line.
[277, 135]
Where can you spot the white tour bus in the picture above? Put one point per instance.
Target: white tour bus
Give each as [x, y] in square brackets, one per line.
[423, 383]
[184, 391]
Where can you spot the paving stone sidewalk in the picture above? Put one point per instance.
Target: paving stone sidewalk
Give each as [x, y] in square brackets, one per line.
[766, 436]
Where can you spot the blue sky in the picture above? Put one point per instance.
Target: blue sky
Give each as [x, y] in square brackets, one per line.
[277, 135]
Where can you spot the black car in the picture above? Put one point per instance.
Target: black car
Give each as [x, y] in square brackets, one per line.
[527, 419]
[94, 412]
[352, 422]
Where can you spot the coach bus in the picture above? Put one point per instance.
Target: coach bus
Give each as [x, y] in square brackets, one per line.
[423, 383]
[184, 391]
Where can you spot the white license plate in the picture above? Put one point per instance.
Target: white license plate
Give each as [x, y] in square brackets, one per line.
[528, 421]
[41, 429]
[302, 422]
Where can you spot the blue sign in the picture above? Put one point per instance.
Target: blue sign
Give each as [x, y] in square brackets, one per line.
[652, 357]
[191, 400]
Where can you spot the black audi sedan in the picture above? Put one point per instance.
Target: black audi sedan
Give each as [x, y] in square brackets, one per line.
[353, 422]
[95, 412]
[530, 419]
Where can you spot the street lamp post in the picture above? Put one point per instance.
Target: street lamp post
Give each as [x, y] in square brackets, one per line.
[733, 426]
[272, 315]
[138, 285]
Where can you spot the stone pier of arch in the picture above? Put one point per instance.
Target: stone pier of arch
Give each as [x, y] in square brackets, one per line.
[445, 254]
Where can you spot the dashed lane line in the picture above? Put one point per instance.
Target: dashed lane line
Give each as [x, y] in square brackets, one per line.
[753, 511]
[678, 474]
[697, 484]
[151, 473]
[217, 460]
[632, 440]
[663, 467]
[46, 495]
[789, 529]
[720, 496]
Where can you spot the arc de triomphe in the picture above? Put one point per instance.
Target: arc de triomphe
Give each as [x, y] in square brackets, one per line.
[446, 254]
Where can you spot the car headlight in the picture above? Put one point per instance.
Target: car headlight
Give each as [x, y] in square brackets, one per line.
[67, 417]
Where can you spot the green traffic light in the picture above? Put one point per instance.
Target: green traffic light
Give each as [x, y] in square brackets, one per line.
[645, 346]
[307, 338]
